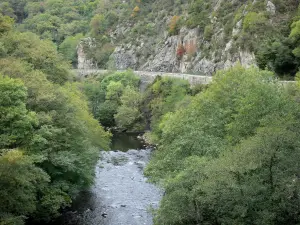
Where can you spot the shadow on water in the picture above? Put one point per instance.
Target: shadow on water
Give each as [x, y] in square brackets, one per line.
[126, 141]
[76, 214]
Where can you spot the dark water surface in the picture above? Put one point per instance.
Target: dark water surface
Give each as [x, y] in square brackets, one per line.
[126, 141]
[121, 194]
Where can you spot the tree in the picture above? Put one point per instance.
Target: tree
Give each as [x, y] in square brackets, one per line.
[16, 168]
[225, 159]
[105, 113]
[277, 56]
[162, 97]
[129, 113]
[295, 36]
[114, 91]
[98, 25]
[47, 132]
[16, 122]
[174, 25]
[42, 55]
[69, 48]
[6, 23]
[105, 94]
[254, 21]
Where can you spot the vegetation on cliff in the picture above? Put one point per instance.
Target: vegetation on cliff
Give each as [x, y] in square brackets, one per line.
[267, 28]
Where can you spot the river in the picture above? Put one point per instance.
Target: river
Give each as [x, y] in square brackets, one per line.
[121, 194]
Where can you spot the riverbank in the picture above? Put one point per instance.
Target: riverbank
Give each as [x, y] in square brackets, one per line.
[121, 194]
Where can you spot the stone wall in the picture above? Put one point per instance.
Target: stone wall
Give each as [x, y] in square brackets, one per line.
[148, 77]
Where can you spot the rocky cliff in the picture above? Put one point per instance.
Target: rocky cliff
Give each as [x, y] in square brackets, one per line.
[231, 34]
[165, 58]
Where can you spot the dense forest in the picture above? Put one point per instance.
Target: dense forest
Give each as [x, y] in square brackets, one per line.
[49, 140]
[230, 156]
[227, 152]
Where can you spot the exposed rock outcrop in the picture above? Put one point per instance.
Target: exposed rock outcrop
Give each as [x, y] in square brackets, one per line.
[124, 58]
[84, 62]
[271, 8]
[166, 58]
[190, 51]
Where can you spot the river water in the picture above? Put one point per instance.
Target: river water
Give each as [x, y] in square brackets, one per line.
[121, 194]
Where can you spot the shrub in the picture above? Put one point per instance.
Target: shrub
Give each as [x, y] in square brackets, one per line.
[208, 32]
[180, 51]
[174, 25]
[135, 11]
[191, 48]
[253, 21]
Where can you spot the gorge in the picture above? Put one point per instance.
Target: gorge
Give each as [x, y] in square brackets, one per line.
[213, 86]
[120, 194]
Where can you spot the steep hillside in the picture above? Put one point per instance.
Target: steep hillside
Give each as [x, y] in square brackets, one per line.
[195, 36]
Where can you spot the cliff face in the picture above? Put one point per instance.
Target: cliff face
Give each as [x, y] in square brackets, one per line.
[231, 34]
[166, 59]
[84, 61]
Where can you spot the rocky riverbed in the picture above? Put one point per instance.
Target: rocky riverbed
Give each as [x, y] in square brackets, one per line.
[121, 194]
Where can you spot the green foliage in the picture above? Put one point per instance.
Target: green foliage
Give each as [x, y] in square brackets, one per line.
[47, 132]
[105, 96]
[56, 19]
[14, 9]
[253, 21]
[198, 14]
[6, 23]
[277, 56]
[20, 178]
[20, 183]
[105, 113]
[226, 158]
[162, 97]
[129, 115]
[114, 90]
[102, 54]
[98, 25]
[208, 32]
[16, 123]
[42, 55]
[127, 78]
[295, 37]
[68, 48]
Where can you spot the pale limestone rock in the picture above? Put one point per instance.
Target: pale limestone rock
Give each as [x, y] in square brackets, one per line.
[124, 58]
[244, 58]
[83, 62]
[271, 8]
[247, 59]
[205, 67]
[228, 45]
[237, 29]
[217, 5]
[166, 60]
